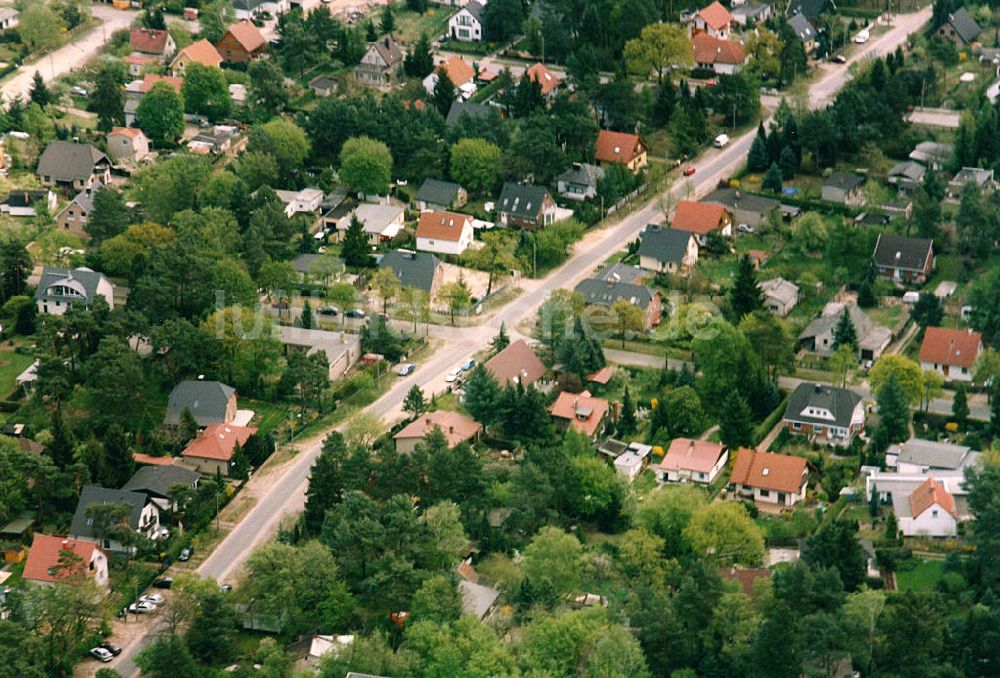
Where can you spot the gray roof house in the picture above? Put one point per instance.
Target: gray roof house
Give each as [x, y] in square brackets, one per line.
[667, 249]
[380, 62]
[804, 30]
[983, 178]
[73, 217]
[210, 402]
[460, 108]
[477, 599]
[525, 205]
[59, 288]
[907, 175]
[823, 410]
[608, 292]
[623, 273]
[747, 208]
[420, 270]
[844, 189]
[811, 9]
[780, 295]
[72, 165]
[144, 516]
[872, 338]
[932, 154]
[579, 182]
[920, 456]
[435, 194]
[316, 264]
[904, 259]
[157, 482]
[960, 28]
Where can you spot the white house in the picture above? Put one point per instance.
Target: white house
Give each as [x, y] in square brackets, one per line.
[381, 222]
[928, 457]
[59, 288]
[696, 461]
[780, 295]
[927, 511]
[444, 232]
[9, 18]
[951, 353]
[43, 564]
[466, 24]
[142, 516]
[770, 478]
[630, 463]
[306, 200]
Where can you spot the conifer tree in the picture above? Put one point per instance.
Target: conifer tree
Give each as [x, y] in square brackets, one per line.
[745, 296]
[845, 334]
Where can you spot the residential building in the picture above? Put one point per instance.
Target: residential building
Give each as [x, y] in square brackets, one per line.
[908, 176]
[843, 189]
[213, 450]
[60, 288]
[382, 223]
[902, 259]
[302, 201]
[444, 232]
[340, 349]
[810, 9]
[579, 182]
[241, 43]
[73, 217]
[959, 28]
[581, 412]
[45, 561]
[248, 9]
[748, 15]
[928, 511]
[746, 208]
[209, 402]
[152, 42]
[477, 599]
[715, 20]
[316, 267]
[950, 353]
[923, 457]
[466, 25]
[981, 178]
[323, 86]
[780, 295]
[456, 428]
[459, 71]
[622, 273]
[630, 463]
[667, 250]
[127, 144]
[138, 63]
[143, 517]
[25, 202]
[747, 578]
[607, 293]
[435, 194]
[818, 335]
[380, 63]
[827, 414]
[476, 111]
[805, 30]
[199, 52]
[932, 154]
[526, 206]
[137, 89]
[217, 140]
[516, 364]
[701, 218]
[419, 270]
[770, 478]
[160, 483]
[724, 57]
[694, 461]
[548, 81]
[9, 18]
[73, 166]
[620, 148]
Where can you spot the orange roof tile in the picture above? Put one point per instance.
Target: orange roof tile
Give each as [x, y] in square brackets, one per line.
[218, 442]
[44, 556]
[544, 77]
[442, 225]
[150, 460]
[148, 40]
[149, 80]
[130, 132]
[715, 15]
[931, 492]
[692, 455]
[950, 347]
[248, 35]
[458, 70]
[457, 428]
[584, 412]
[769, 471]
[516, 363]
[601, 376]
[618, 146]
[698, 217]
[202, 52]
[709, 50]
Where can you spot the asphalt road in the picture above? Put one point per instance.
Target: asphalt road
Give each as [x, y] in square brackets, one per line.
[286, 497]
[72, 55]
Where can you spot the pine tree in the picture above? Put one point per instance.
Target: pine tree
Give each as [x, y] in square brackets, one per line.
[873, 503]
[845, 334]
[188, 425]
[960, 405]
[745, 296]
[420, 61]
[239, 464]
[772, 179]
[627, 424]
[306, 320]
[326, 482]
[40, 91]
[388, 19]
[891, 528]
[757, 159]
[664, 104]
[108, 100]
[355, 249]
[210, 635]
[414, 403]
[735, 422]
[482, 396]
[63, 442]
[119, 464]
[444, 92]
[893, 411]
[790, 137]
[501, 341]
[788, 163]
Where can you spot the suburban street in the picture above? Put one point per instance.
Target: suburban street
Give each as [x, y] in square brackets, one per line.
[286, 495]
[69, 56]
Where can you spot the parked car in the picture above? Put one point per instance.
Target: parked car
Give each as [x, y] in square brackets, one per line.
[406, 369]
[838, 59]
[101, 655]
[688, 171]
[354, 313]
[79, 91]
[141, 608]
[153, 598]
[164, 583]
[112, 648]
[226, 588]
[468, 365]
[328, 310]
[185, 554]
[453, 374]
[721, 141]
[745, 228]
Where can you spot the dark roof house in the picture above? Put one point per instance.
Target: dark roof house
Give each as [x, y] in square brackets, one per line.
[437, 192]
[414, 269]
[606, 293]
[960, 27]
[82, 526]
[810, 9]
[460, 108]
[822, 405]
[70, 163]
[157, 481]
[522, 200]
[666, 245]
[210, 402]
[899, 253]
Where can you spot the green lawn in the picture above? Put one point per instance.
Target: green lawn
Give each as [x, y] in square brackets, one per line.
[11, 365]
[409, 25]
[923, 577]
[269, 415]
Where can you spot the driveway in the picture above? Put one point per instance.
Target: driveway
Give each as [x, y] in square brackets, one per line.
[69, 56]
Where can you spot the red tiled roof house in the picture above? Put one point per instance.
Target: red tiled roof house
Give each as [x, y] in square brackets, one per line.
[241, 42]
[456, 428]
[715, 20]
[201, 52]
[770, 478]
[722, 56]
[214, 447]
[701, 218]
[152, 42]
[46, 564]
[516, 364]
[951, 353]
[581, 412]
[696, 461]
[444, 232]
[619, 148]
[928, 511]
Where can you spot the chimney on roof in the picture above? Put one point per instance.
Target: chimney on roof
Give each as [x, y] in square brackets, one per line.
[451, 429]
[386, 42]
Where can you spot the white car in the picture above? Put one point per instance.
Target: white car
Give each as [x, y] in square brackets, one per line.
[745, 228]
[101, 655]
[406, 369]
[141, 608]
[861, 38]
[453, 375]
[153, 599]
[721, 141]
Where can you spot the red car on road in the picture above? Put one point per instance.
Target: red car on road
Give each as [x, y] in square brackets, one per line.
[688, 171]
